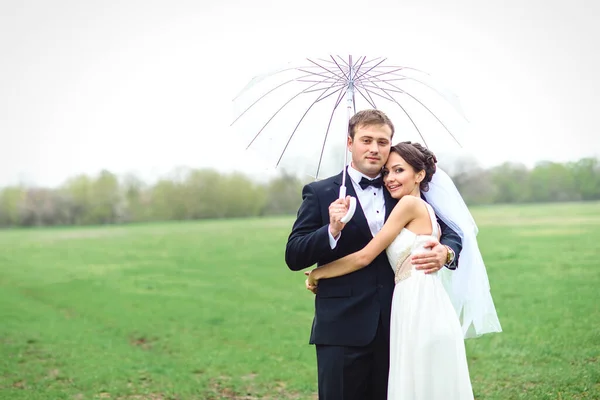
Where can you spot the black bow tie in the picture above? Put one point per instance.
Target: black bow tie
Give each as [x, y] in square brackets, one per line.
[365, 183]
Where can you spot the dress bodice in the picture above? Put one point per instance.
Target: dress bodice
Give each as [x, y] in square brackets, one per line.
[406, 244]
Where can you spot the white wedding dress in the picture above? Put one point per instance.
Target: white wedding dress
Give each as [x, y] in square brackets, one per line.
[427, 350]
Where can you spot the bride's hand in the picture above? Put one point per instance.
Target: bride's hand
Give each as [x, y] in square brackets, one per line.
[311, 283]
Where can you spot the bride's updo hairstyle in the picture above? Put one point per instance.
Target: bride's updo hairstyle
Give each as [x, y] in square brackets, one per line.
[419, 157]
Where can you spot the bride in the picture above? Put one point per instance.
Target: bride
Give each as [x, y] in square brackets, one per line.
[427, 351]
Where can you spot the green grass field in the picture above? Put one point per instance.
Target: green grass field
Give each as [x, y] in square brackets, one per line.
[208, 310]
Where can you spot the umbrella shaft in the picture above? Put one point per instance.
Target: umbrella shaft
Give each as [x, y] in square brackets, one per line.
[349, 108]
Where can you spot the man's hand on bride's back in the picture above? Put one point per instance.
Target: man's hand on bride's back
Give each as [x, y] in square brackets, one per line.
[337, 210]
[432, 260]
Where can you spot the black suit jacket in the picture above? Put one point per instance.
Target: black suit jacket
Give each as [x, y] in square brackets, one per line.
[347, 308]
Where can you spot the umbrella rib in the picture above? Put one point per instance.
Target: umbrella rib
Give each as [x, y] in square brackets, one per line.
[395, 79]
[278, 111]
[342, 84]
[405, 77]
[298, 125]
[317, 74]
[346, 64]
[332, 93]
[372, 86]
[327, 69]
[369, 100]
[401, 67]
[387, 81]
[405, 112]
[360, 61]
[263, 76]
[366, 88]
[423, 105]
[369, 70]
[337, 103]
[266, 94]
[380, 95]
[381, 73]
[321, 81]
[363, 63]
[372, 60]
[372, 100]
[341, 59]
[346, 75]
[435, 116]
[325, 60]
[357, 70]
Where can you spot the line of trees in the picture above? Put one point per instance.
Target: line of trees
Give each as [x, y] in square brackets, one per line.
[199, 194]
[515, 183]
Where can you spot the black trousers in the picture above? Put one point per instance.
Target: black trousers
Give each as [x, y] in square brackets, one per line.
[355, 373]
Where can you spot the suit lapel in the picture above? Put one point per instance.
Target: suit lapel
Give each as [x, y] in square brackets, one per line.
[359, 216]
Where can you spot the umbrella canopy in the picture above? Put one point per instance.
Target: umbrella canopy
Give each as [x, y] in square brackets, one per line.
[296, 117]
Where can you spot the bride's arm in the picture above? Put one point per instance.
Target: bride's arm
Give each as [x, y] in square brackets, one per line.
[404, 212]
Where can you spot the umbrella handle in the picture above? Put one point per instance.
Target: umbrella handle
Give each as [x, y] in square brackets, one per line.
[351, 208]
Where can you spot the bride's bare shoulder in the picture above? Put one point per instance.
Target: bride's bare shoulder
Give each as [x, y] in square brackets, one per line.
[409, 201]
[408, 207]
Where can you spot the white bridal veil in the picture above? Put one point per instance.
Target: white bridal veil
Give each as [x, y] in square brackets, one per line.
[468, 285]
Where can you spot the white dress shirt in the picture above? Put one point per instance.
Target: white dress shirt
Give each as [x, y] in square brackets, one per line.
[371, 200]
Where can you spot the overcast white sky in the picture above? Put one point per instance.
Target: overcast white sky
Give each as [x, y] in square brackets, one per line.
[146, 86]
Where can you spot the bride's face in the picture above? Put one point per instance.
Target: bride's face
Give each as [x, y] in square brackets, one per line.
[400, 177]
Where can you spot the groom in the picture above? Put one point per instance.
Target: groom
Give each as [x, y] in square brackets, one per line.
[352, 312]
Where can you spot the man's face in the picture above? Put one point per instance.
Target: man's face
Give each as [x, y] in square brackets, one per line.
[370, 148]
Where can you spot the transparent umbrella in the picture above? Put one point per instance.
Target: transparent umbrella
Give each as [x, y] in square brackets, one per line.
[296, 117]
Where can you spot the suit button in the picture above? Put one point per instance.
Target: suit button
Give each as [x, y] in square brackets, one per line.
[380, 286]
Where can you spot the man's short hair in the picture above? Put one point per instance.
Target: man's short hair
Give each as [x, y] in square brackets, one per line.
[368, 118]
